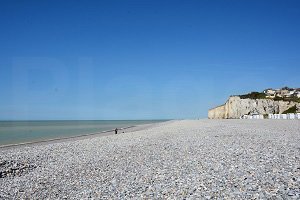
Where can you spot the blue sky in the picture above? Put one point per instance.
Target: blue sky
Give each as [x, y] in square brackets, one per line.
[142, 59]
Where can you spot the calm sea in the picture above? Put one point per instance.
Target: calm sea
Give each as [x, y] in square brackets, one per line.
[13, 132]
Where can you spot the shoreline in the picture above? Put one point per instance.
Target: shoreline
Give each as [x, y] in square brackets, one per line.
[81, 137]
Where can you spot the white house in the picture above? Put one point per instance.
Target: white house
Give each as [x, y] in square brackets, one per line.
[270, 93]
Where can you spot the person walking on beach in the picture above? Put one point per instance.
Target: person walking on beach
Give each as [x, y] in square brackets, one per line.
[116, 131]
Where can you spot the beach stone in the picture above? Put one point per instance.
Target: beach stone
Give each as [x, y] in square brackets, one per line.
[184, 159]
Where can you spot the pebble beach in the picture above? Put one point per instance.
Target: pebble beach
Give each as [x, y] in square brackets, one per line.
[184, 159]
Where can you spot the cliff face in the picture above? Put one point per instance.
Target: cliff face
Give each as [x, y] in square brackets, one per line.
[235, 107]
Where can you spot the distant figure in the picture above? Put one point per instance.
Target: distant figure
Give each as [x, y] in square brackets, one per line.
[116, 131]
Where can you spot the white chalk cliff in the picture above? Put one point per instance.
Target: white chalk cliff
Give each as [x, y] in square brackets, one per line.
[235, 107]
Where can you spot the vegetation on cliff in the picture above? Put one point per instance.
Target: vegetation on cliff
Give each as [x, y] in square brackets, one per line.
[260, 95]
[294, 99]
[253, 95]
[292, 109]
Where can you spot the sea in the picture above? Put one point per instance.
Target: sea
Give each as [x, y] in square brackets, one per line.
[15, 132]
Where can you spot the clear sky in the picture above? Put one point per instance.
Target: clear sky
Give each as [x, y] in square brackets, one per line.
[142, 59]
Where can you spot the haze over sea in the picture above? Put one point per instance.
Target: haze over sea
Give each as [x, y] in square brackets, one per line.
[13, 132]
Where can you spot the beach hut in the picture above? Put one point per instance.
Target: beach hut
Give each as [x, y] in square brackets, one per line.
[255, 116]
[291, 115]
[243, 117]
[297, 115]
[283, 116]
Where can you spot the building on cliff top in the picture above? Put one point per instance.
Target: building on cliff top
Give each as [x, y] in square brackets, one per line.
[283, 92]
